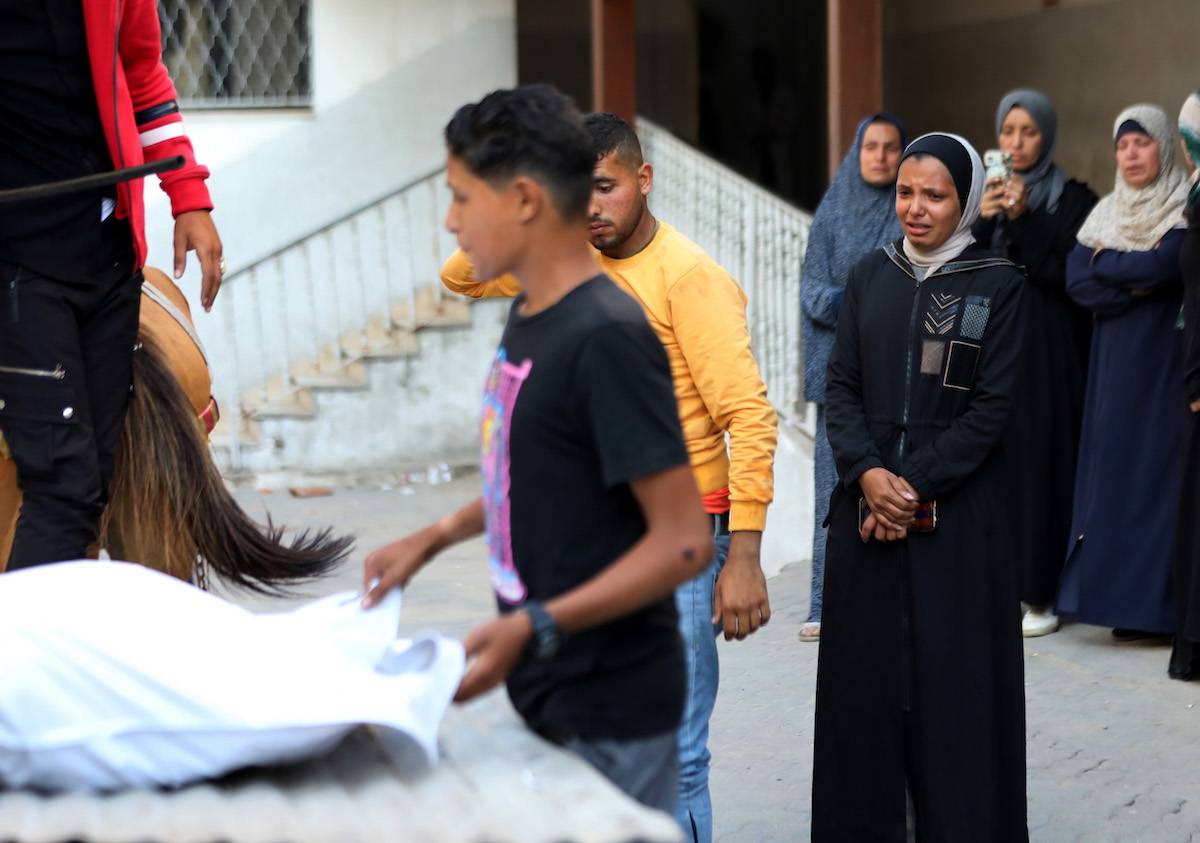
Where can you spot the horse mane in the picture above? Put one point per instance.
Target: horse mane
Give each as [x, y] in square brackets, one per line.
[169, 508]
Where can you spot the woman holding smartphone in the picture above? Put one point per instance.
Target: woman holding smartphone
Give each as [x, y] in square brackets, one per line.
[1032, 218]
[1125, 270]
[920, 675]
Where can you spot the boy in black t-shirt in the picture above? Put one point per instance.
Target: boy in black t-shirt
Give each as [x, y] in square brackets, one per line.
[591, 512]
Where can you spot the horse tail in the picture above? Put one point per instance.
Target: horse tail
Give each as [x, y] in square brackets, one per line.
[169, 508]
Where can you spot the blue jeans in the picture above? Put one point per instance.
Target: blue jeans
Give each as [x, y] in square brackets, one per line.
[694, 600]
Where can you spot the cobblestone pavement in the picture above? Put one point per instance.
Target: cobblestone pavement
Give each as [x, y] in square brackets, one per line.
[1113, 744]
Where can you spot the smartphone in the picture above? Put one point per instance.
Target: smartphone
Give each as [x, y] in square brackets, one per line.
[997, 166]
[924, 521]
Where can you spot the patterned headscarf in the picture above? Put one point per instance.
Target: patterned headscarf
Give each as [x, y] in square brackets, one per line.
[864, 215]
[1132, 219]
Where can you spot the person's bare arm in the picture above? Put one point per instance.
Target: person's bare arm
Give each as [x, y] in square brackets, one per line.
[393, 565]
[675, 548]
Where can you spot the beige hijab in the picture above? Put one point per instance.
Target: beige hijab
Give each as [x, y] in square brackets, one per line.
[1134, 219]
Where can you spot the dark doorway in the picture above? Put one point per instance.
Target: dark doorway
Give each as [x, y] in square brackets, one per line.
[762, 92]
[744, 82]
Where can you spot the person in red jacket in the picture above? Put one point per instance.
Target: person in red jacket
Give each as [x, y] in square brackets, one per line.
[83, 91]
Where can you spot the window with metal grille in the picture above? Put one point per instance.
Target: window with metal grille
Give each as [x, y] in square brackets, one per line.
[238, 53]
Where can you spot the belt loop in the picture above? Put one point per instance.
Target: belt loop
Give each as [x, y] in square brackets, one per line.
[720, 524]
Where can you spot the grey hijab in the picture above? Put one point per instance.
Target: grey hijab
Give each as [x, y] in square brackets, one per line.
[1044, 181]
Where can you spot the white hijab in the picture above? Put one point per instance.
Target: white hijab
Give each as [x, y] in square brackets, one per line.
[1133, 219]
[931, 260]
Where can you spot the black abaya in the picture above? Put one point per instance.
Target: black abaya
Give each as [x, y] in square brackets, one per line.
[1185, 656]
[1043, 436]
[920, 675]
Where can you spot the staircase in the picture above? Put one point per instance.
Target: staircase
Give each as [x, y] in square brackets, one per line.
[308, 322]
[342, 352]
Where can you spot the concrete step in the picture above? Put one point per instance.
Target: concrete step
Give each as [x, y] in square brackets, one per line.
[431, 311]
[300, 403]
[399, 344]
[386, 341]
[350, 375]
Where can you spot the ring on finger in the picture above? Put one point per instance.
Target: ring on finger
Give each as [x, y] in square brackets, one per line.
[223, 266]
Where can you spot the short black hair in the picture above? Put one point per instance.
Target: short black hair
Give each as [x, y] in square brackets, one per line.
[533, 130]
[611, 133]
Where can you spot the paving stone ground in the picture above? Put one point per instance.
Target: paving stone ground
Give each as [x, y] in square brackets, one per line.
[1113, 744]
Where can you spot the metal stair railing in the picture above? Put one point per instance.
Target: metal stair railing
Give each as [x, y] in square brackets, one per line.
[307, 314]
[758, 237]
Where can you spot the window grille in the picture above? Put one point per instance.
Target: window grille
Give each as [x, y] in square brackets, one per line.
[238, 53]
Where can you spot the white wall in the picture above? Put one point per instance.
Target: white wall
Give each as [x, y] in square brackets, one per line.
[387, 76]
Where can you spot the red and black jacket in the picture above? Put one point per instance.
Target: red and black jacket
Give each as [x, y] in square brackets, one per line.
[138, 111]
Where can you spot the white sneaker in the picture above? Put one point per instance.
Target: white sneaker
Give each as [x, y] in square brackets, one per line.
[1038, 622]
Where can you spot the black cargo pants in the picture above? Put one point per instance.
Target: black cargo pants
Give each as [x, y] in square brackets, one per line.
[66, 350]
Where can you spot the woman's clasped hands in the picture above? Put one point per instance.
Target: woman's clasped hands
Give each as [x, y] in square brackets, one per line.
[892, 502]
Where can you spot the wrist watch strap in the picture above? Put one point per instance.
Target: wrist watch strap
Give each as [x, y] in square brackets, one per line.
[547, 634]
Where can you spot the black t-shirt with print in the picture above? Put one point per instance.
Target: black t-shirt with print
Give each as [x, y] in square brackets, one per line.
[578, 404]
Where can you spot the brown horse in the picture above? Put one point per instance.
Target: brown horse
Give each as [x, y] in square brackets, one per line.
[168, 506]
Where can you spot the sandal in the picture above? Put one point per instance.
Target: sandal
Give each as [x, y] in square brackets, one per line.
[810, 633]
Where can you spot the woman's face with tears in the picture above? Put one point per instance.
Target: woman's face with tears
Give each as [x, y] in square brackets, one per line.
[926, 201]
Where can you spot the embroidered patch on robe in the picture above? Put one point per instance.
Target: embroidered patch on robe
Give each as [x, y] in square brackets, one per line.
[975, 317]
[943, 310]
[933, 352]
[961, 362]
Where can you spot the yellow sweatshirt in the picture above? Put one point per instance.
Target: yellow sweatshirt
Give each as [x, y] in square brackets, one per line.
[699, 314]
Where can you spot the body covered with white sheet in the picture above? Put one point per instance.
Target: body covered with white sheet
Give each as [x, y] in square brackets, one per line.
[116, 676]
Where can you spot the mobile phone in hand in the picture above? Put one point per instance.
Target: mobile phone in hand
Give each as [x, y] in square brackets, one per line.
[925, 519]
[997, 166]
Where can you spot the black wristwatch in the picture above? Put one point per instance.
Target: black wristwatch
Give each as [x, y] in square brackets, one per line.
[548, 636]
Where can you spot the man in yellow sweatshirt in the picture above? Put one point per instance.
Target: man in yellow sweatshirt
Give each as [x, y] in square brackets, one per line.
[698, 312]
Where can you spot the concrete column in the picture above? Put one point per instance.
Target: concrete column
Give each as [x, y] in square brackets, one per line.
[855, 56]
[614, 56]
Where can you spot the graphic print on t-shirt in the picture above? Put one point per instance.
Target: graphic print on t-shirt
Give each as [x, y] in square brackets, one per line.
[499, 397]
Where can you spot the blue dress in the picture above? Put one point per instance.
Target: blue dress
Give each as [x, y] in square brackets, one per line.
[852, 219]
[1118, 569]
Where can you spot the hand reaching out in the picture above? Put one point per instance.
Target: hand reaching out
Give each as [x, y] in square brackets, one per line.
[393, 565]
[496, 647]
